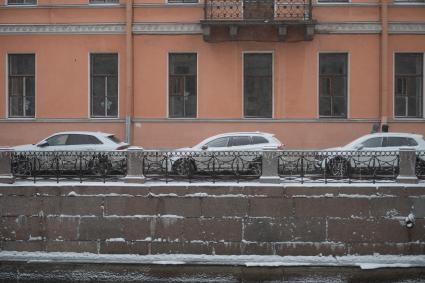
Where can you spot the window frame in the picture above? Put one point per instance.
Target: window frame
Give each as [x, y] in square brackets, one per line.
[7, 100]
[333, 2]
[181, 2]
[401, 118]
[20, 4]
[272, 86]
[103, 4]
[167, 90]
[90, 87]
[348, 115]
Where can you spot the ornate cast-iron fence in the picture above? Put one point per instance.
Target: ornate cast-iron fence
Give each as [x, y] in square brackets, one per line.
[202, 165]
[211, 166]
[338, 166]
[420, 164]
[267, 10]
[66, 165]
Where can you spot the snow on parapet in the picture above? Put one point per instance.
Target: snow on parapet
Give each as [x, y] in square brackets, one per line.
[364, 262]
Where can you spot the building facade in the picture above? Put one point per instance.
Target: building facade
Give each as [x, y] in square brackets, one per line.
[170, 73]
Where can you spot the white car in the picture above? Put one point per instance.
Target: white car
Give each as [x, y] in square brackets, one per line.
[361, 152]
[201, 157]
[74, 152]
[76, 141]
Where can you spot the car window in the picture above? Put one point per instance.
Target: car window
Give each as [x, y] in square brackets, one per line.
[220, 142]
[77, 139]
[399, 141]
[258, 140]
[57, 140]
[373, 142]
[114, 139]
[240, 141]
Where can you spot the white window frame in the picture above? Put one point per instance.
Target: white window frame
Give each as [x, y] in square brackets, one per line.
[167, 90]
[243, 84]
[398, 118]
[89, 86]
[348, 85]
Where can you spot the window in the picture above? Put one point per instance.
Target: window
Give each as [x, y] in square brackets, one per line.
[258, 85]
[57, 140]
[258, 140]
[399, 141]
[220, 142]
[373, 142]
[333, 1]
[104, 85]
[182, 85]
[21, 85]
[408, 97]
[333, 85]
[104, 2]
[76, 139]
[21, 2]
[240, 141]
[409, 1]
[182, 1]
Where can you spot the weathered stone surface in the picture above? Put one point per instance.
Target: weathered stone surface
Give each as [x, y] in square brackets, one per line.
[21, 228]
[130, 206]
[72, 205]
[366, 231]
[268, 230]
[225, 206]
[390, 207]
[72, 246]
[187, 207]
[123, 247]
[270, 207]
[331, 207]
[419, 207]
[227, 230]
[23, 246]
[136, 228]
[17, 205]
[99, 228]
[310, 249]
[62, 228]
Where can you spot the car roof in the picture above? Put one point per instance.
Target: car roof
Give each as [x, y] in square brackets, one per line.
[82, 133]
[394, 134]
[244, 133]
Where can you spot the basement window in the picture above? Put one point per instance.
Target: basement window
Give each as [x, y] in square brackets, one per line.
[104, 2]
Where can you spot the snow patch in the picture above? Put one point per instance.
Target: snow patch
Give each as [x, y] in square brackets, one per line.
[115, 240]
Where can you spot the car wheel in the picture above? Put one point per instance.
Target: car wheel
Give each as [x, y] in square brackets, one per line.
[338, 167]
[100, 165]
[184, 167]
[255, 167]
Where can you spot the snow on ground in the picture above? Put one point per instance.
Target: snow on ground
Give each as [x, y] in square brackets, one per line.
[71, 183]
[364, 262]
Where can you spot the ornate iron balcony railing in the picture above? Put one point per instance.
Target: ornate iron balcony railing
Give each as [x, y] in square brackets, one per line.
[254, 10]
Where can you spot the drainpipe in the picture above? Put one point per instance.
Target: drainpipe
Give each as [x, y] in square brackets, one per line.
[129, 109]
[383, 110]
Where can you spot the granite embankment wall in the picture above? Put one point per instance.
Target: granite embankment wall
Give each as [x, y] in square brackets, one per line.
[212, 219]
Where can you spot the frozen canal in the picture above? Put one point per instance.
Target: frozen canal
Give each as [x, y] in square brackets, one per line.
[74, 267]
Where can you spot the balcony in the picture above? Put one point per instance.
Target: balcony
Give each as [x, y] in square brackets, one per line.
[258, 20]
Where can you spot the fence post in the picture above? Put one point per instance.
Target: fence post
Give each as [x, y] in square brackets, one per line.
[269, 172]
[6, 176]
[135, 166]
[407, 166]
